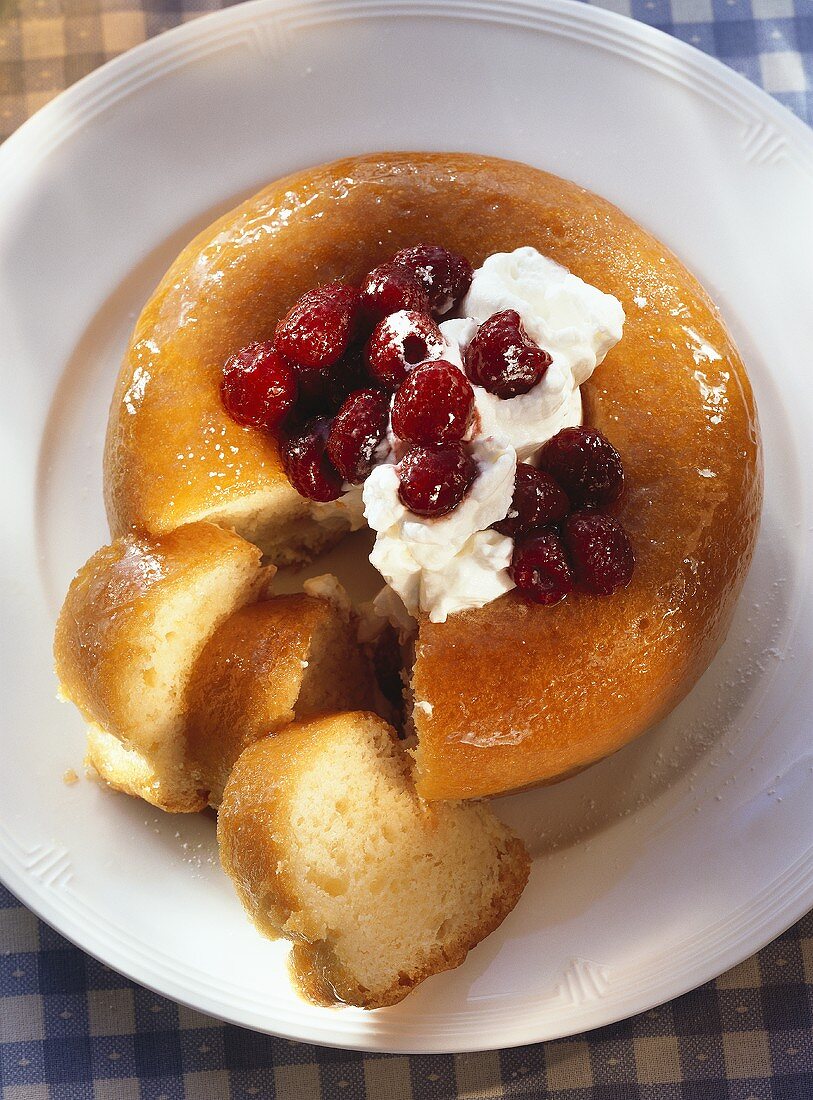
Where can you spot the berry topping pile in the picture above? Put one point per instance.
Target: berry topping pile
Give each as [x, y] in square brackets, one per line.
[346, 363]
[357, 376]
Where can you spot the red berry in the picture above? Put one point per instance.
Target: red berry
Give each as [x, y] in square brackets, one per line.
[435, 479]
[433, 404]
[258, 386]
[537, 502]
[390, 288]
[399, 342]
[540, 569]
[586, 465]
[356, 431]
[503, 359]
[308, 468]
[600, 551]
[444, 275]
[317, 330]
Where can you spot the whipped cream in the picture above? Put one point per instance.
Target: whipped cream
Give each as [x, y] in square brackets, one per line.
[439, 566]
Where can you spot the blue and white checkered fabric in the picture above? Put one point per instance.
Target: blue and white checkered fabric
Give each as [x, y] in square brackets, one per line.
[47, 44]
[768, 41]
[71, 1029]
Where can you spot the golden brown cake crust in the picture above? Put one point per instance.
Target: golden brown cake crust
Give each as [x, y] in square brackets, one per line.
[519, 694]
[248, 679]
[522, 694]
[102, 637]
[110, 598]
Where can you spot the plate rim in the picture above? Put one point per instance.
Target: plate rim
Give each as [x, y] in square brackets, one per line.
[496, 11]
[36, 139]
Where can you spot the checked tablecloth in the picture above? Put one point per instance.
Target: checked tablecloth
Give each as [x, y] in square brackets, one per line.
[70, 1029]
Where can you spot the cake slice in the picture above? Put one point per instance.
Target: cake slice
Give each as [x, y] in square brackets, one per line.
[134, 621]
[328, 845]
[285, 658]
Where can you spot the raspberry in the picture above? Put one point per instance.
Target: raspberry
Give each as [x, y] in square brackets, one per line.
[435, 479]
[319, 327]
[308, 468]
[600, 551]
[258, 387]
[356, 431]
[537, 502]
[433, 404]
[391, 288]
[540, 569]
[444, 275]
[585, 464]
[399, 342]
[503, 359]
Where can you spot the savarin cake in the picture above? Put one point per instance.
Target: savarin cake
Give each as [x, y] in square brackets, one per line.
[540, 414]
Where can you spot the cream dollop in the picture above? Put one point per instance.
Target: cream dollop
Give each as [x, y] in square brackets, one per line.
[439, 566]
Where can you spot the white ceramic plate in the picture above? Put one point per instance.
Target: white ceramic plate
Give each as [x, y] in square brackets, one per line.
[655, 870]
